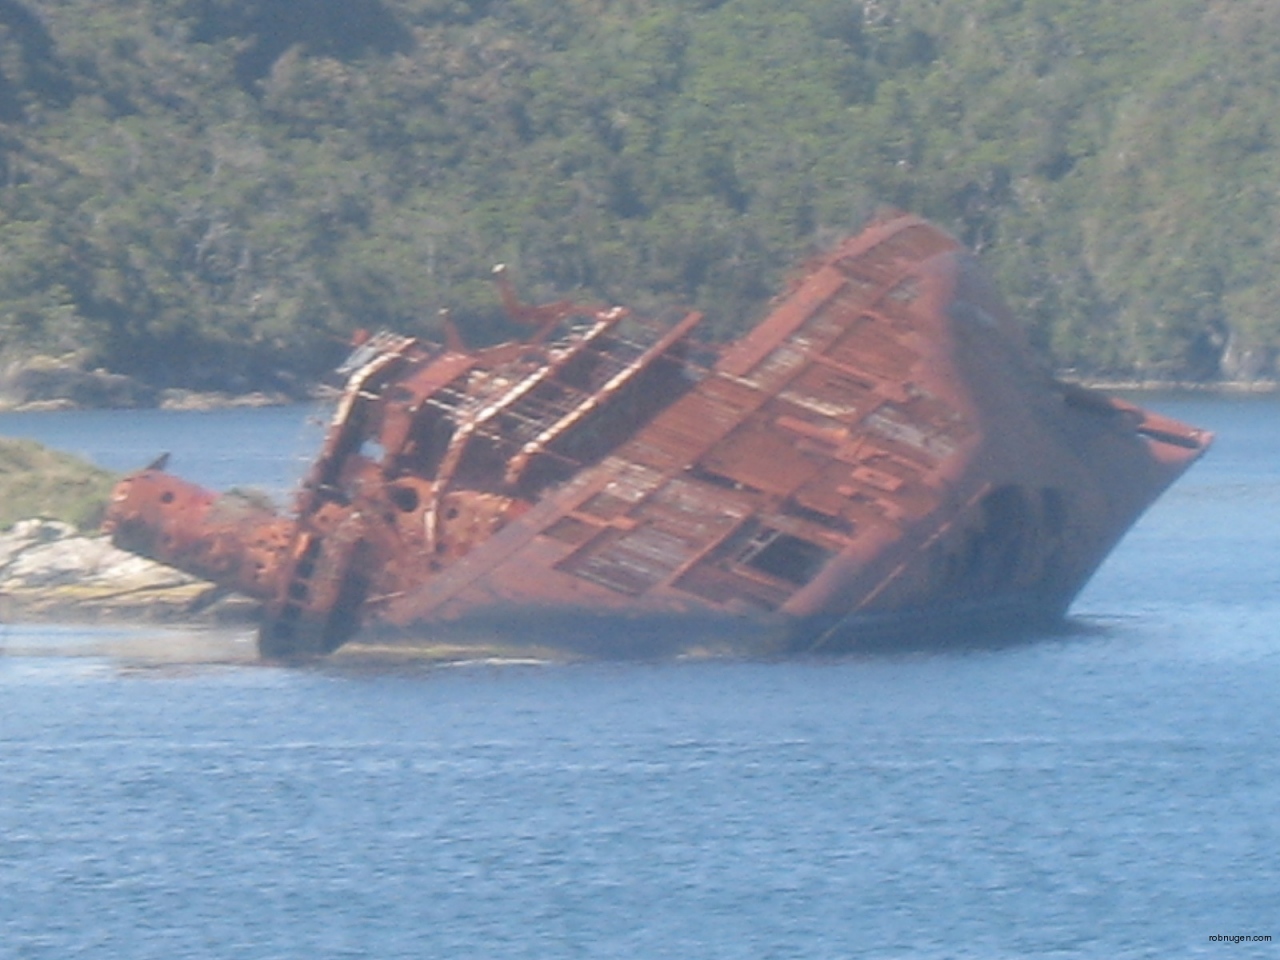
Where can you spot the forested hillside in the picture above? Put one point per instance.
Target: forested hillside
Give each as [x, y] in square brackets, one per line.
[215, 193]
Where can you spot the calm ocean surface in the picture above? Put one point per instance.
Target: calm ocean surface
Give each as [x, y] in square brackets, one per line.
[1111, 792]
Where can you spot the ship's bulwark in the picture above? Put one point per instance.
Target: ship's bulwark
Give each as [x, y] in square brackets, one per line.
[880, 462]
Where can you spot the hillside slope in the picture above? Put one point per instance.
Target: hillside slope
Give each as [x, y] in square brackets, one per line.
[213, 194]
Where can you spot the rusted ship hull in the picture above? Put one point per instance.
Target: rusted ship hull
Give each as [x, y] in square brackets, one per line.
[881, 460]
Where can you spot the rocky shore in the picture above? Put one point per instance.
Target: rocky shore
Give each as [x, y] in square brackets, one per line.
[62, 383]
[51, 572]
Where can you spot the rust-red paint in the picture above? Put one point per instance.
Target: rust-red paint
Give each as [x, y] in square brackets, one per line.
[880, 459]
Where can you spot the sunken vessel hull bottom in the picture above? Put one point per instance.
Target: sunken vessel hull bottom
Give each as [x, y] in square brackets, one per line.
[880, 462]
[577, 634]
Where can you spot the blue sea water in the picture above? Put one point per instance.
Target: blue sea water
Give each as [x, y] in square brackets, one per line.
[1111, 791]
[268, 448]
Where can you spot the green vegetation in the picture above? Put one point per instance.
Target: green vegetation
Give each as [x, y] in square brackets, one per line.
[38, 482]
[214, 193]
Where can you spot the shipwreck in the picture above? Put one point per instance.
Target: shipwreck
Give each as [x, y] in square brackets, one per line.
[880, 461]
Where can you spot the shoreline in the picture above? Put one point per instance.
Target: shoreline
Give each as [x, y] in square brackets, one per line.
[130, 608]
[174, 400]
[181, 399]
[1221, 387]
[51, 572]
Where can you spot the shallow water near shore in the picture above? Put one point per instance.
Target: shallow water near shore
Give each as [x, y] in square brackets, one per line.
[1112, 790]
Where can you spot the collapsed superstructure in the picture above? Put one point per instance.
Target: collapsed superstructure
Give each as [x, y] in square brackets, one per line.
[881, 459]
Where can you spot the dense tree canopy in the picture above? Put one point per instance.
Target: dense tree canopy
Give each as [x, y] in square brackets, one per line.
[214, 193]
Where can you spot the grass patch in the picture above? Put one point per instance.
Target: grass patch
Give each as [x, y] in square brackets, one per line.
[38, 482]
